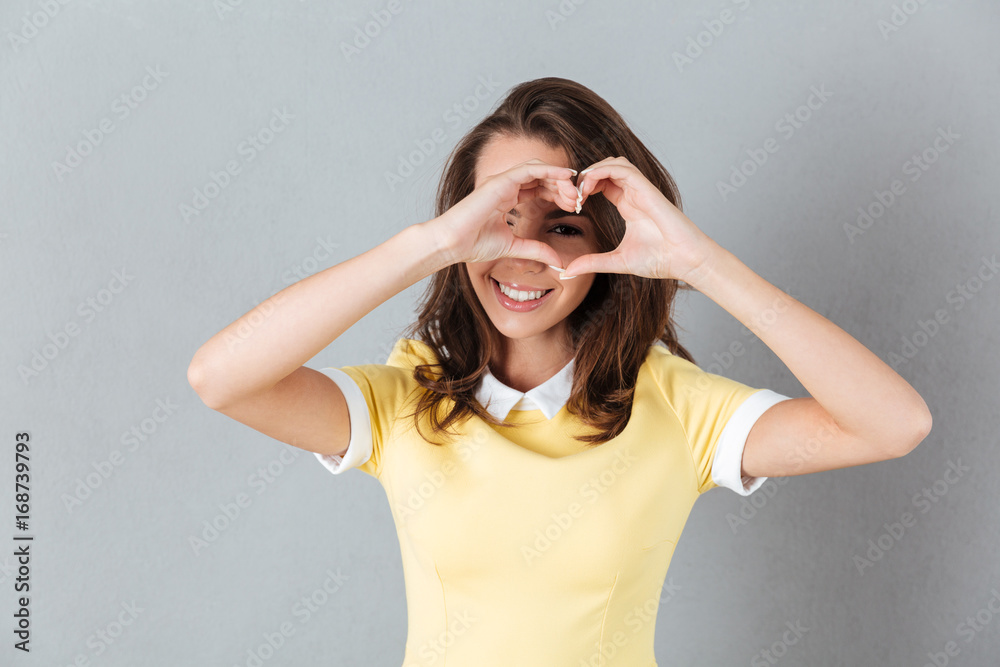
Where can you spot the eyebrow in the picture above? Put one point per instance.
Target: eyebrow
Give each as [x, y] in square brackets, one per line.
[551, 215]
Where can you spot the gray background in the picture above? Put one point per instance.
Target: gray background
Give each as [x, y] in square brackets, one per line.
[321, 184]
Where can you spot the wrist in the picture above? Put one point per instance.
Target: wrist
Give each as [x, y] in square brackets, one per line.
[432, 244]
[706, 270]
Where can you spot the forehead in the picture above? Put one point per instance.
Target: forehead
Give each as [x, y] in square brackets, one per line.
[504, 152]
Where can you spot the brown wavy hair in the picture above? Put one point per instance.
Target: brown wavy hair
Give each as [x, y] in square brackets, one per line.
[618, 320]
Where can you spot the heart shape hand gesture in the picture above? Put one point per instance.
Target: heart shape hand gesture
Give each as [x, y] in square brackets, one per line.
[475, 229]
[659, 241]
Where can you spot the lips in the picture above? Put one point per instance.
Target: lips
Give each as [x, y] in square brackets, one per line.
[520, 287]
[519, 306]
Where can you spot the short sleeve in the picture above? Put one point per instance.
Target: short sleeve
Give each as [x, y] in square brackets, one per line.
[375, 395]
[359, 449]
[716, 414]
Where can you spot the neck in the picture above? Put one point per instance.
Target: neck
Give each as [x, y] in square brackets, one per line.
[526, 363]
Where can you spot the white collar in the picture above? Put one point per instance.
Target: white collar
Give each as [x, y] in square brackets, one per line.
[549, 397]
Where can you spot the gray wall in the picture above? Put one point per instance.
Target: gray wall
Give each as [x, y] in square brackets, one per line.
[121, 485]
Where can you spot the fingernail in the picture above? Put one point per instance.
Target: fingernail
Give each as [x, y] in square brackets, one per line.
[585, 170]
[556, 268]
[565, 277]
[573, 170]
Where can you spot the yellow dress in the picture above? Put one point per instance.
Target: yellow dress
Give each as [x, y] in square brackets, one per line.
[524, 547]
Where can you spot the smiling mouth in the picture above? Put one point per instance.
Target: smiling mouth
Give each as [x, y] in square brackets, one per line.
[519, 296]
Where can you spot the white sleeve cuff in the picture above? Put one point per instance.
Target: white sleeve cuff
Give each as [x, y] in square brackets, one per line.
[359, 449]
[726, 468]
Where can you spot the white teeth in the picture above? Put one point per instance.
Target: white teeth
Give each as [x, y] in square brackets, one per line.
[518, 295]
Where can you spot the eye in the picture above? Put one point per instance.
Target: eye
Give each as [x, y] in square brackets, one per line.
[568, 230]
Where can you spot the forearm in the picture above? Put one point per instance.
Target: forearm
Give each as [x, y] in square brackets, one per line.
[863, 395]
[285, 331]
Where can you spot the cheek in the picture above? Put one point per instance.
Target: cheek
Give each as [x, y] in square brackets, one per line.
[477, 271]
[569, 248]
[580, 245]
[578, 292]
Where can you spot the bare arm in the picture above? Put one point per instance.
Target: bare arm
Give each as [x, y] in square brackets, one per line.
[859, 410]
[253, 369]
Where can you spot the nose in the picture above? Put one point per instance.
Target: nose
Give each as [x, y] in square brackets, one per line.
[524, 265]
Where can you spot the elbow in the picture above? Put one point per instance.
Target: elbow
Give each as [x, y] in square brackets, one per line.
[920, 424]
[197, 377]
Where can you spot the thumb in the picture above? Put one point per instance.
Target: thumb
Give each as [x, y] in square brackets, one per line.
[601, 262]
[536, 250]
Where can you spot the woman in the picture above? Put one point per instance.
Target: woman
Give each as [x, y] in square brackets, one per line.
[540, 432]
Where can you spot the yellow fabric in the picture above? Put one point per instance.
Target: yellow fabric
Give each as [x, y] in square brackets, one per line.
[522, 546]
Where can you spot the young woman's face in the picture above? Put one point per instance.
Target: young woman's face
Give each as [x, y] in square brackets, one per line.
[570, 235]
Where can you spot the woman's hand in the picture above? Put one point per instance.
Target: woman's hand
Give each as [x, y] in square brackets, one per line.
[659, 240]
[475, 229]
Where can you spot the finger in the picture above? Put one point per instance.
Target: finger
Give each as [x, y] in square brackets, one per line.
[600, 163]
[582, 175]
[536, 250]
[536, 170]
[538, 192]
[567, 197]
[601, 262]
[599, 177]
[527, 194]
[561, 186]
[561, 193]
[581, 195]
